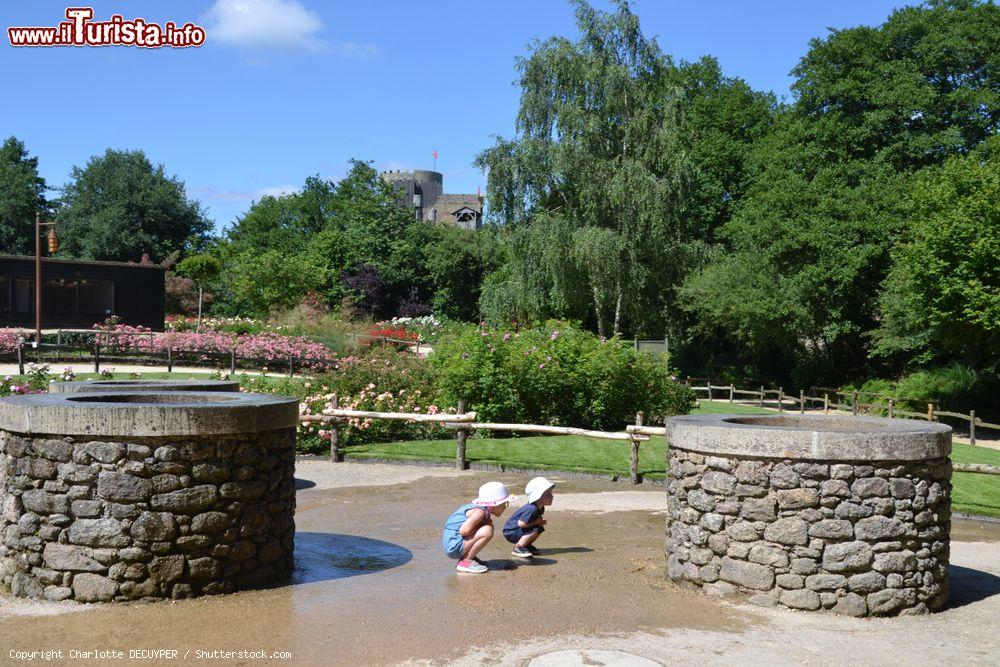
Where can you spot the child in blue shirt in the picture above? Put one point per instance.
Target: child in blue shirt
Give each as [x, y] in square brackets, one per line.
[470, 528]
[528, 523]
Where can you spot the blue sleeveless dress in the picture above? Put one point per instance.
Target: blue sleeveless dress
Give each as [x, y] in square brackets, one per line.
[452, 541]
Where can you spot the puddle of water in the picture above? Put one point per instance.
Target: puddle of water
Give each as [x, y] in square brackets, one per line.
[328, 556]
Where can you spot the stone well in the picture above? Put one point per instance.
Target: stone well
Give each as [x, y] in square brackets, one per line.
[846, 514]
[145, 496]
[144, 386]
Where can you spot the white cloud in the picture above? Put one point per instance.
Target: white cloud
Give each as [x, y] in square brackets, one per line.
[284, 24]
[276, 191]
[357, 50]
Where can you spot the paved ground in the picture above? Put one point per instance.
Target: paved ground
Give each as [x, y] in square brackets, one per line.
[372, 587]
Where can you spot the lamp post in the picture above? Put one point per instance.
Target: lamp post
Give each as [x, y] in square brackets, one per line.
[53, 243]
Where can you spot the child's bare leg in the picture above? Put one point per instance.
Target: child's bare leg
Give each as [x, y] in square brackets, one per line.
[477, 542]
[528, 538]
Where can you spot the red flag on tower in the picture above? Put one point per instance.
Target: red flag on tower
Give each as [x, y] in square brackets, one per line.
[435, 159]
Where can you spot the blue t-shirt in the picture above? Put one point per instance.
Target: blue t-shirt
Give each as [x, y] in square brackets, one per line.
[527, 514]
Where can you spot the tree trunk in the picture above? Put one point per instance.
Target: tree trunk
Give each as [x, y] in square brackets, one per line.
[201, 291]
[618, 309]
[597, 310]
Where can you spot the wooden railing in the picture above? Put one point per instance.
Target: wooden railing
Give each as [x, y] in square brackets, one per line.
[825, 403]
[464, 422]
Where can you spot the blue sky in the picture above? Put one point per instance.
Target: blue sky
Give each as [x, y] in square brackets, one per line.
[283, 89]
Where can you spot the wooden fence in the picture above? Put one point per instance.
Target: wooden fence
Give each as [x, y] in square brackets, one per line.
[463, 422]
[799, 403]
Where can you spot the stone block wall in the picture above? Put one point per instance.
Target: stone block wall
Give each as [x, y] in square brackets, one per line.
[126, 518]
[852, 537]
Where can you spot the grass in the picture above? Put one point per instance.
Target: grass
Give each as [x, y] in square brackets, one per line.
[972, 493]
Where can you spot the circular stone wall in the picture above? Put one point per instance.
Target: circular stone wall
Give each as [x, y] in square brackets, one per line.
[144, 496]
[846, 514]
[147, 386]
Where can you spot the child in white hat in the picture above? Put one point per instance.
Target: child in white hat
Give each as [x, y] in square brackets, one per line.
[528, 523]
[470, 528]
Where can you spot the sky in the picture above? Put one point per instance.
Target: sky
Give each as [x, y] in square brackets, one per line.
[285, 89]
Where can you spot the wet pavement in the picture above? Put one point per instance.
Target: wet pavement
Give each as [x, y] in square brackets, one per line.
[373, 587]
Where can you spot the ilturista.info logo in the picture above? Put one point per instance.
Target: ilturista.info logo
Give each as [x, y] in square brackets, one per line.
[81, 30]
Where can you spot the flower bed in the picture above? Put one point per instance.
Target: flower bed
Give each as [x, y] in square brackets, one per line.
[264, 346]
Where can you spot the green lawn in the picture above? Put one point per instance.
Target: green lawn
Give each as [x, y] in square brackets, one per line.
[725, 407]
[973, 493]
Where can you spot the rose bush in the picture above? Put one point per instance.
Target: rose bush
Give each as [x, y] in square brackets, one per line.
[263, 346]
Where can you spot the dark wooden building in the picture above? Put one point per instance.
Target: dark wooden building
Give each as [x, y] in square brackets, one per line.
[78, 295]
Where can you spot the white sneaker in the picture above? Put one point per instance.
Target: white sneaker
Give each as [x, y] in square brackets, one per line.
[471, 567]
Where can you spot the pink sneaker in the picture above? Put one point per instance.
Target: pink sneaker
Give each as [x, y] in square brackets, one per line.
[471, 567]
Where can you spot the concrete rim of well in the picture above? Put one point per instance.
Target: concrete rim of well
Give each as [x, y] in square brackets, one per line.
[810, 437]
[119, 386]
[164, 414]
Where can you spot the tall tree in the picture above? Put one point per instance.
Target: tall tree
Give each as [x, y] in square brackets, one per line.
[942, 297]
[808, 247]
[22, 194]
[120, 207]
[597, 167]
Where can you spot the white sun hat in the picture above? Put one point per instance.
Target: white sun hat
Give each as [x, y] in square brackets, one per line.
[493, 493]
[537, 487]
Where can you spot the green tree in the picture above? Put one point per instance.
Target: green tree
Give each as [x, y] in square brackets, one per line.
[199, 268]
[120, 207]
[22, 193]
[598, 159]
[942, 297]
[259, 282]
[803, 258]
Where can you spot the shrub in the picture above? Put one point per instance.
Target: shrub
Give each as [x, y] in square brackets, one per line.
[555, 375]
[384, 380]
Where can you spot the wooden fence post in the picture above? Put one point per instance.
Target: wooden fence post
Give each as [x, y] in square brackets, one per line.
[781, 399]
[732, 390]
[892, 407]
[826, 403]
[708, 385]
[170, 360]
[633, 461]
[761, 403]
[930, 412]
[802, 401]
[972, 427]
[291, 365]
[20, 355]
[854, 403]
[335, 454]
[460, 436]
[232, 362]
[97, 356]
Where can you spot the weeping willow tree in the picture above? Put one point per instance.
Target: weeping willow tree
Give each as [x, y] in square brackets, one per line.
[591, 191]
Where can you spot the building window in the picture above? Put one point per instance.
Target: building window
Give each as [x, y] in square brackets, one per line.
[97, 297]
[24, 297]
[466, 216]
[432, 215]
[4, 294]
[59, 296]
